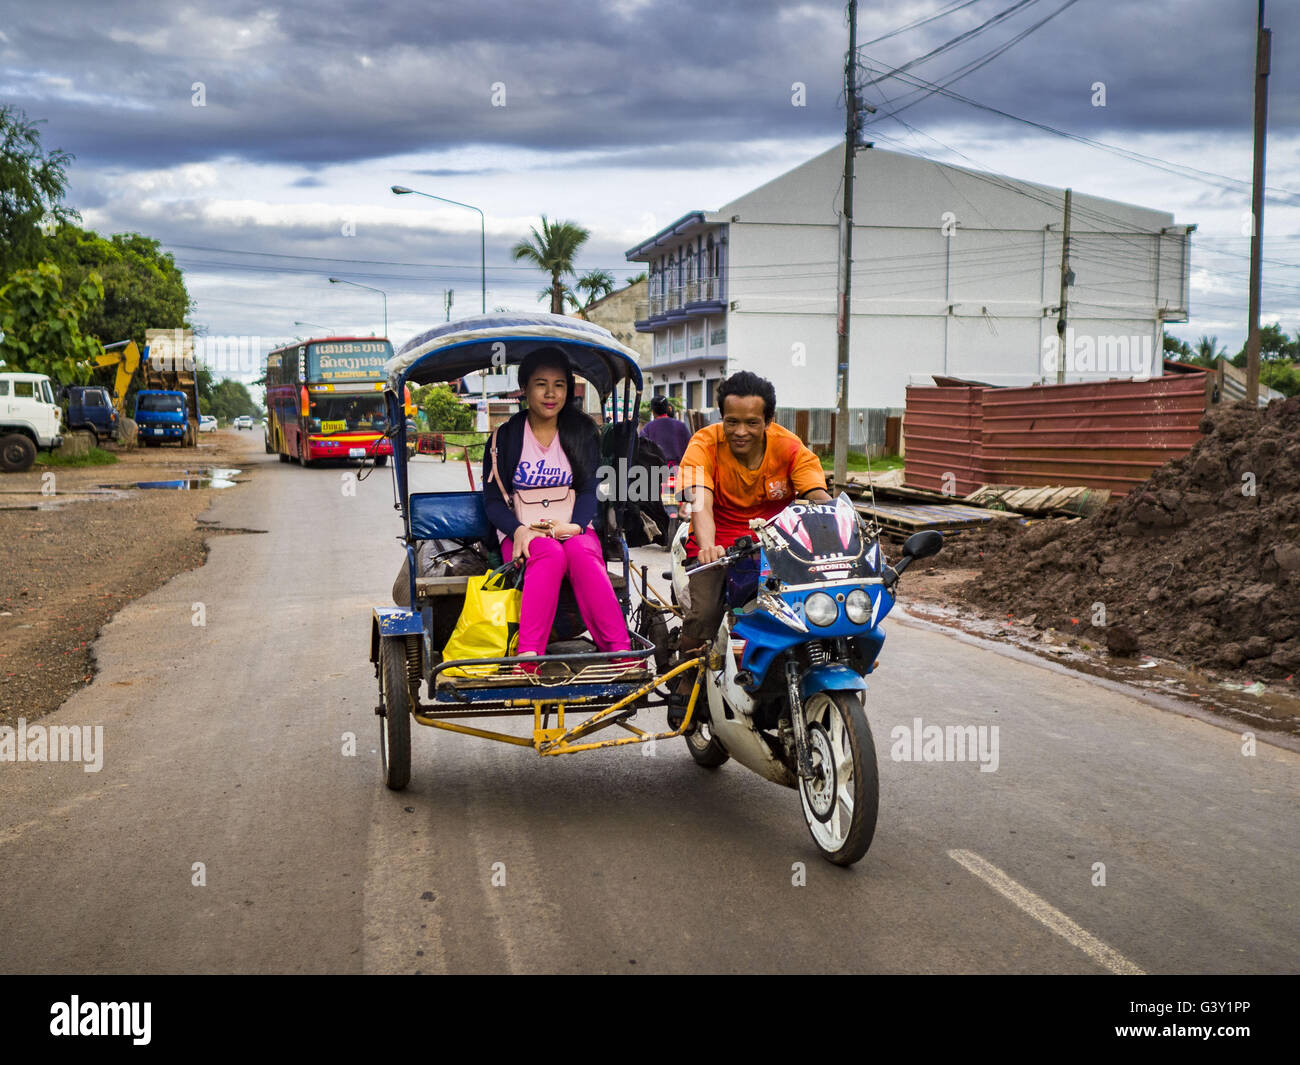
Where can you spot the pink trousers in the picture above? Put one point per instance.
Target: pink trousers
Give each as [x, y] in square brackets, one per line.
[580, 559]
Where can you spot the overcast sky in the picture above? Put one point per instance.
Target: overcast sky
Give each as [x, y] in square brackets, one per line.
[621, 116]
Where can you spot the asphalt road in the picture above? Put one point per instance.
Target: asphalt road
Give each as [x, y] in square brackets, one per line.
[225, 744]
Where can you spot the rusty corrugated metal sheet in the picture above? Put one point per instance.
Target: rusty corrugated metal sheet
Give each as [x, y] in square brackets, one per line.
[1108, 434]
[942, 433]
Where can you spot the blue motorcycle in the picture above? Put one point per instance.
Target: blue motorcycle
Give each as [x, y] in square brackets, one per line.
[784, 676]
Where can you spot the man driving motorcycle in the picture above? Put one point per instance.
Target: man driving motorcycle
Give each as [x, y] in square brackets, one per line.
[743, 467]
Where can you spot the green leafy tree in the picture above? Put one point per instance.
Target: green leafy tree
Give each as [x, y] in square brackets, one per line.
[143, 287]
[552, 250]
[230, 399]
[32, 184]
[1177, 349]
[637, 278]
[443, 408]
[1273, 344]
[42, 324]
[1280, 375]
[204, 381]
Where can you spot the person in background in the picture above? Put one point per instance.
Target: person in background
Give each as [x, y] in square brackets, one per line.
[666, 431]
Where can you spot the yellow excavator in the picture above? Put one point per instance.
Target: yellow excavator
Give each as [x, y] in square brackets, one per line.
[169, 369]
[125, 356]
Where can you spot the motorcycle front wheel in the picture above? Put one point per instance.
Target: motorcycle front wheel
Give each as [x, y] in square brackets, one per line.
[704, 746]
[840, 803]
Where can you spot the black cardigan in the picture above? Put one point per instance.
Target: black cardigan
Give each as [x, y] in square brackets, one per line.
[510, 446]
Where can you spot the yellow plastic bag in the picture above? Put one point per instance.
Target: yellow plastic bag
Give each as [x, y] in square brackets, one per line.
[489, 623]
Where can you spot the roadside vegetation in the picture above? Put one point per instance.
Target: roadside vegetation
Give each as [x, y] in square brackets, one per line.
[97, 456]
[860, 463]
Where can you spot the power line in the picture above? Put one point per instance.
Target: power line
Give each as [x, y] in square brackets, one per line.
[919, 22]
[962, 38]
[1167, 166]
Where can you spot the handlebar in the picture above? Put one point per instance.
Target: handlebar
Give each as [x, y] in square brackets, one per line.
[742, 547]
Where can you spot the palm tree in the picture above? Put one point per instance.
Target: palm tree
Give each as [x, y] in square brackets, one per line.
[597, 284]
[1208, 351]
[553, 250]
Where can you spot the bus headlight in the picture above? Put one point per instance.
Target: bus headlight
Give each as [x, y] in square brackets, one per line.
[858, 606]
[820, 609]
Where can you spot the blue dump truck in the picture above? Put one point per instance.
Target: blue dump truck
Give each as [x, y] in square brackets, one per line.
[161, 416]
[90, 408]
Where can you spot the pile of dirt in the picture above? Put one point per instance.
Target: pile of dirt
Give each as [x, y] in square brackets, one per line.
[1200, 564]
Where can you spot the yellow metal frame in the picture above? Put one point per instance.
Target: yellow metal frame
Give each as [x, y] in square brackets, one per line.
[559, 739]
[126, 361]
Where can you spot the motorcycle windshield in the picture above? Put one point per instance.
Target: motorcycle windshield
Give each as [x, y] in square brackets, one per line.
[809, 542]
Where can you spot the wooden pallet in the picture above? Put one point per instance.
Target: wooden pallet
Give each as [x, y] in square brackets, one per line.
[1073, 501]
[946, 517]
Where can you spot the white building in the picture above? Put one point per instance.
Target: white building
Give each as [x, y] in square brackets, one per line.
[955, 272]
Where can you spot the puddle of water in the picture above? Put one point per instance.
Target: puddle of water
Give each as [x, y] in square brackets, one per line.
[211, 478]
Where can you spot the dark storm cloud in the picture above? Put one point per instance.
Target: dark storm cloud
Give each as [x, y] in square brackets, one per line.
[400, 259]
[330, 82]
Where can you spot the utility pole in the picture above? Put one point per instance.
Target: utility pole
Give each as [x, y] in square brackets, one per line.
[854, 109]
[448, 298]
[1065, 295]
[1263, 43]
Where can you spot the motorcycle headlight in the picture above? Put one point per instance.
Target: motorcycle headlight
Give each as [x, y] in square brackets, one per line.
[858, 606]
[820, 609]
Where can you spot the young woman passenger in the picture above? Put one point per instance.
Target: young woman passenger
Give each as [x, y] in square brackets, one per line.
[552, 443]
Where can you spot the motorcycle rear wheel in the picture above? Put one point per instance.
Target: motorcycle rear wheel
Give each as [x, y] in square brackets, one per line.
[841, 803]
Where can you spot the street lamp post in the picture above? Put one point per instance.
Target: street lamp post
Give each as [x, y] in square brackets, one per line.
[316, 325]
[357, 284]
[402, 190]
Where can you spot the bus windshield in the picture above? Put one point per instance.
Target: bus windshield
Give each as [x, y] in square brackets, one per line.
[335, 413]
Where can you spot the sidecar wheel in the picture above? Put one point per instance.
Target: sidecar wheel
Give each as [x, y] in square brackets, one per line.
[704, 746]
[395, 724]
[840, 804]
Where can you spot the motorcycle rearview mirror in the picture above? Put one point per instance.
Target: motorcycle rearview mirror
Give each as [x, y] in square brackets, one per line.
[918, 545]
[923, 544]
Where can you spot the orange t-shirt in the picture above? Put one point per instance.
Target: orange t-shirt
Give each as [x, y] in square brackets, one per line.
[789, 469]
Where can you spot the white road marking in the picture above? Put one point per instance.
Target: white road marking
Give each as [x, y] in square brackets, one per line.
[1045, 913]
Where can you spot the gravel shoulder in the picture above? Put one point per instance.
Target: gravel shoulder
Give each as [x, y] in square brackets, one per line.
[74, 554]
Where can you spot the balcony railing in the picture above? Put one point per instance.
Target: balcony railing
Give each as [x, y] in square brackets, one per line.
[704, 289]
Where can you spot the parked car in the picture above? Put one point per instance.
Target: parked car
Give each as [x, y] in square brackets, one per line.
[243, 422]
[207, 423]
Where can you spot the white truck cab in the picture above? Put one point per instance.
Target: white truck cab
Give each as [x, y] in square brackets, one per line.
[29, 419]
